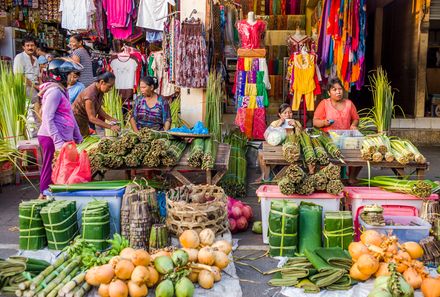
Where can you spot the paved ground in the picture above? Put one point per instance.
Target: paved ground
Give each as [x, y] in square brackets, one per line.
[252, 283]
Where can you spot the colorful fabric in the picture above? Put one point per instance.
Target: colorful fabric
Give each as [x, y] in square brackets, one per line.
[151, 117]
[304, 83]
[343, 118]
[240, 118]
[251, 35]
[259, 124]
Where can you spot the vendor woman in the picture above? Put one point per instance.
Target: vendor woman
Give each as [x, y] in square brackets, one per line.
[150, 110]
[284, 113]
[337, 113]
[58, 124]
[88, 105]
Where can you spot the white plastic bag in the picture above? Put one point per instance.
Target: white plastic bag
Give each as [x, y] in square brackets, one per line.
[275, 136]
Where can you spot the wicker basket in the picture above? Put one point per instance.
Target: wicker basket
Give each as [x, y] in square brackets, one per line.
[182, 214]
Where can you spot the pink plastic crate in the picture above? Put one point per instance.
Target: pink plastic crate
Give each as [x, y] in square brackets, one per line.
[269, 193]
[358, 196]
[388, 210]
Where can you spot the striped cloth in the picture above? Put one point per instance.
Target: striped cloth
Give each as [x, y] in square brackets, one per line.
[86, 61]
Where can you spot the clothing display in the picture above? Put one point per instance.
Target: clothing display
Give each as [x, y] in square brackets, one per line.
[125, 71]
[120, 15]
[152, 117]
[152, 13]
[159, 70]
[343, 118]
[341, 45]
[77, 15]
[191, 56]
[251, 35]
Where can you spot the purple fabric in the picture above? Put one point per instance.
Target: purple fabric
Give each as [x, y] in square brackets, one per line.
[255, 65]
[58, 120]
[48, 150]
[241, 83]
[324, 41]
[252, 77]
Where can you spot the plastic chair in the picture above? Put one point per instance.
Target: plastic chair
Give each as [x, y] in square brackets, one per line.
[31, 162]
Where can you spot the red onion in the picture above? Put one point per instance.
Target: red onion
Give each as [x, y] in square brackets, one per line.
[232, 225]
[247, 212]
[242, 223]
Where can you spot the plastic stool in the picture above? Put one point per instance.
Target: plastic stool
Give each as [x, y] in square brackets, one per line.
[29, 148]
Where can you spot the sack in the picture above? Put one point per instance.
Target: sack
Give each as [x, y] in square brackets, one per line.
[275, 135]
[71, 167]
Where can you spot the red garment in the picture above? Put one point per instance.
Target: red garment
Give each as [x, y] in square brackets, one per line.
[251, 35]
[259, 125]
[343, 118]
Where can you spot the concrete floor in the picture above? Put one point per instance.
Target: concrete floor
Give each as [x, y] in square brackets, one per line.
[250, 244]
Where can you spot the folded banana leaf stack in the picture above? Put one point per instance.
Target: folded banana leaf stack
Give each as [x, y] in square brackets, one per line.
[59, 219]
[327, 274]
[310, 226]
[32, 233]
[283, 229]
[338, 229]
[96, 223]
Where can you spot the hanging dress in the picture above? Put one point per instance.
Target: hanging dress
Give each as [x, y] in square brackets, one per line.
[304, 82]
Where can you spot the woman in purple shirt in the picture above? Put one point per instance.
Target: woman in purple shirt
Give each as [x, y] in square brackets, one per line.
[58, 123]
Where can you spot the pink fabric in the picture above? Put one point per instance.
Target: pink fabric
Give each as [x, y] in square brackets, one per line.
[251, 35]
[120, 15]
[240, 118]
[259, 123]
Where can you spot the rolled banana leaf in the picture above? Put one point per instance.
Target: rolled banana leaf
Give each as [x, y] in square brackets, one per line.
[338, 229]
[308, 286]
[327, 274]
[336, 257]
[310, 226]
[344, 283]
[283, 229]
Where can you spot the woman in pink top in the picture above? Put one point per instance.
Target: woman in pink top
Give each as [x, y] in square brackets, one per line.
[337, 113]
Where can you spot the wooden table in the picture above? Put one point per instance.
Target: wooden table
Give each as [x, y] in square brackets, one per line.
[273, 155]
[177, 171]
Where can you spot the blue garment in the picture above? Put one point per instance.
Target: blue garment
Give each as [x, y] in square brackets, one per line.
[75, 90]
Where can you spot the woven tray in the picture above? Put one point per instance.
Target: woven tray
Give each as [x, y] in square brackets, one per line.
[183, 215]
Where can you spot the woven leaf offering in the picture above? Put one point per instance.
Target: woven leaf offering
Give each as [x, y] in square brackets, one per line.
[283, 229]
[32, 232]
[338, 229]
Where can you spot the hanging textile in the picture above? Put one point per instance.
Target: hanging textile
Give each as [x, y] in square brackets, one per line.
[342, 41]
[160, 71]
[120, 15]
[191, 59]
[77, 15]
[152, 14]
[251, 35]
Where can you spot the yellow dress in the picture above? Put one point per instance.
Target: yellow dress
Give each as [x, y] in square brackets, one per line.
[304, 83]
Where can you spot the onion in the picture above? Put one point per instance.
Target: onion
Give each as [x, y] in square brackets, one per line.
[247, 212]
[206, 279]
[118, 289]
[140, 257]
[207, 236]
[140, 275]
[123, 269]
[236, 211]
[153, 277]
[232, 225]
[91, 276]
[242, 223]
[136, 290]
[231, 202]
[127, 253]
[206, 256]
[223, 246]
[221, 260]
[192, 253]
[103, 290]
[105, 274]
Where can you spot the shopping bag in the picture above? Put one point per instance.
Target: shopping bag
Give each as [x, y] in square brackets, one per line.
[82, 172]
[66, 163]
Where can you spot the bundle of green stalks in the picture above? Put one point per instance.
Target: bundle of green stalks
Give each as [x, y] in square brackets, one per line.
[112, 105]
[320, 153]
[196, 153]
[174, 153]
[141, 149]
[291, 148]
[210, 154]
[418, 157]
[89, 143]
[307, 148]
[131, 160]
[330, 146]
[8, 153]
[214, 97]
[335, 187]
[113, 161]
[400, 146]
[105, 145]
[118, 149]
[419, 188]
[306, 186]
[148, 135]
[295, 173]
[176, 120]
[129, 140]
[287, 186]
[319, 181]
[13, 106]
[331, 171]
[96, 160]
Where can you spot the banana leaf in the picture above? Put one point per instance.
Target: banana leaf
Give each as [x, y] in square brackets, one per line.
[344, 283]
[327, 274]
[336, 257]
[338, 229]
[310, 226]
[96, 223]
[32, 232]
[283, 229]
[308, 286]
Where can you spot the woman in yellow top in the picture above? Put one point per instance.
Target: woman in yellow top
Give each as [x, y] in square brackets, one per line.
[284, 113]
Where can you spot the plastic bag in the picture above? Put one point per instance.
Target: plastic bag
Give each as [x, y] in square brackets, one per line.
[275, 136]
[71, 167]
[82, 172]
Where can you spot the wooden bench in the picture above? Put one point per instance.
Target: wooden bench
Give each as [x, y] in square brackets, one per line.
[273, 155]
[178, 171]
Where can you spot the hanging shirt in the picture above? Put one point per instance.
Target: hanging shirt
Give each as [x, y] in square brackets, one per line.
[125, 72]
[343, 118]
[77, 14]
[152, 117]
[158, 66]
[150, 11]
[120, 15]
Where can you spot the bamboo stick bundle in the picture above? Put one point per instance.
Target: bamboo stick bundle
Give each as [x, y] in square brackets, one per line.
[291, 148]
[196, 153]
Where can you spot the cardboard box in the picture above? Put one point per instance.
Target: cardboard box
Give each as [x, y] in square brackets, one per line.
[5, 19]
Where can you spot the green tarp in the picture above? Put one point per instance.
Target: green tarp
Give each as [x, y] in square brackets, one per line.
[283, 228]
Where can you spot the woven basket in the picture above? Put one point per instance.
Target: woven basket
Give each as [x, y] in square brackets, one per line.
[185, 215]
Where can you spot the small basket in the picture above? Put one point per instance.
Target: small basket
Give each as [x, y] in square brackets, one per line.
[185, 215]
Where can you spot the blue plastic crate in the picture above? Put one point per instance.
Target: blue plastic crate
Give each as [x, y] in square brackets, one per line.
[113, 197]
[404, 232]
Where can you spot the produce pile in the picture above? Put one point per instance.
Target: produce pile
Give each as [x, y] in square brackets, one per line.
[239, 215]
[378, 148]
[418, 188]
[297, 181]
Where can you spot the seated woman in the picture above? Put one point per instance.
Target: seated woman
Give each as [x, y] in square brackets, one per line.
[284, 113]
[150, 110]
[337, 113]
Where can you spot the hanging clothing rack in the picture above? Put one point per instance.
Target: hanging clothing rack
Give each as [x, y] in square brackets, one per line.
[173, 13]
